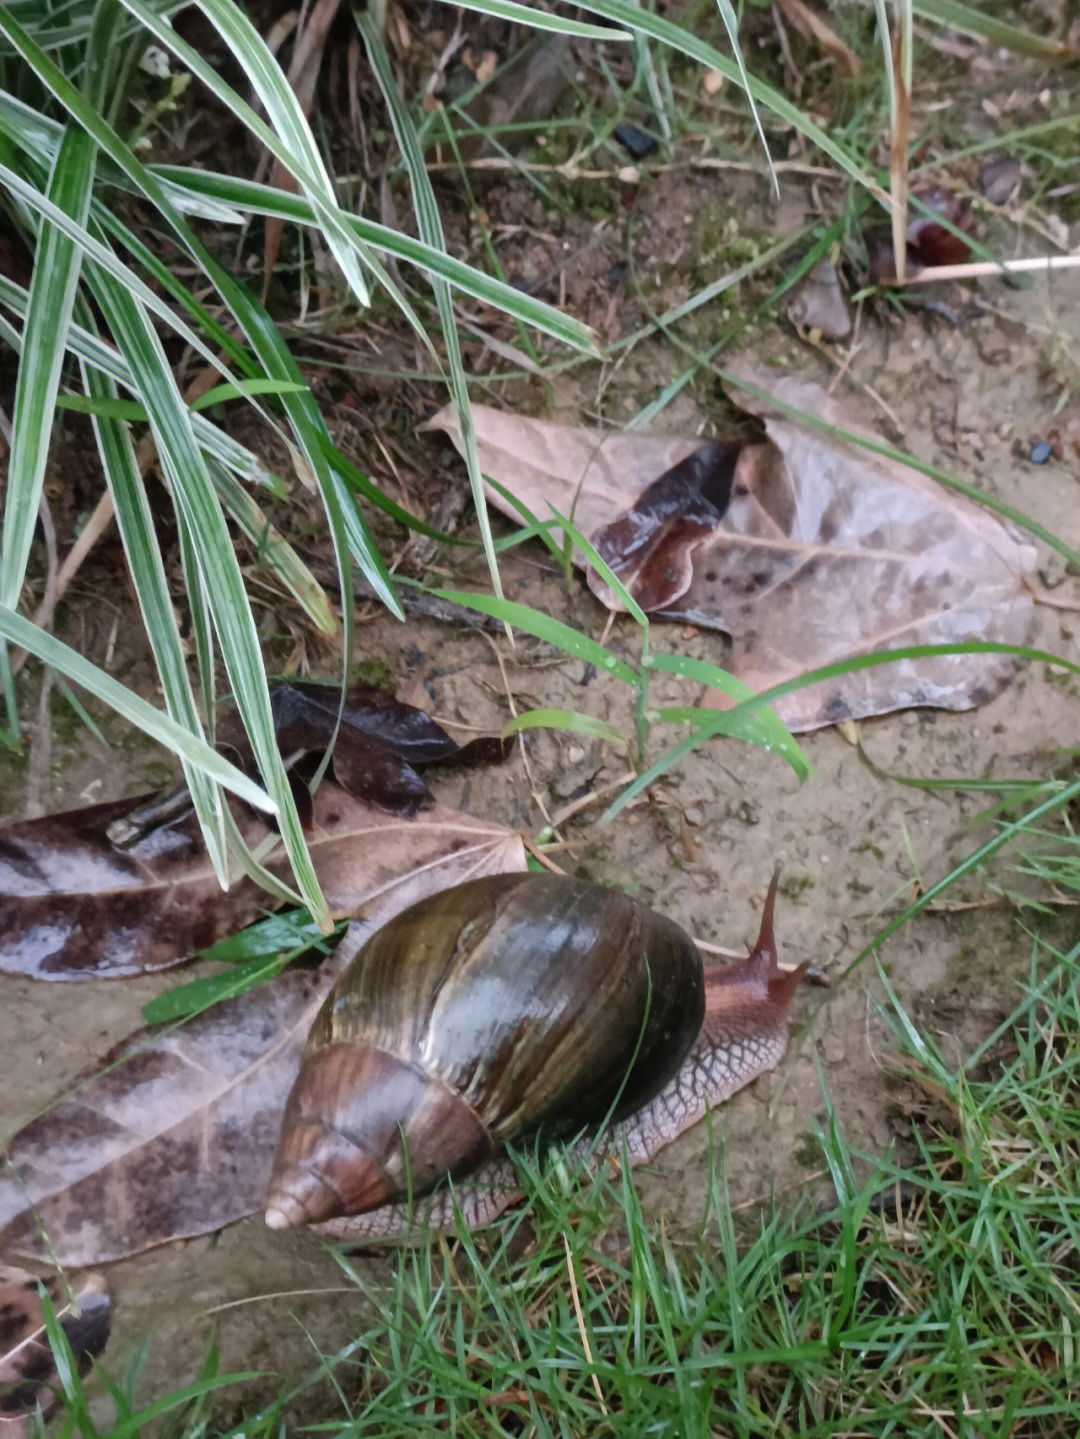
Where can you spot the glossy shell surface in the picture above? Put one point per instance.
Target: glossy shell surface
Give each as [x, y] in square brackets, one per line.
[482, 1014]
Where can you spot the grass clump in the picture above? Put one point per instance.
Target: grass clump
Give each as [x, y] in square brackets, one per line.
[936, 1292]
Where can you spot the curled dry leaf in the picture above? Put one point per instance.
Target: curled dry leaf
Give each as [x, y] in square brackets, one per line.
[173, 1133]
[806, 549]
[28, 1372]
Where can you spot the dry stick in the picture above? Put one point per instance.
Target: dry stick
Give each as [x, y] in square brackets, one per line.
[979, 268]
[89, 535]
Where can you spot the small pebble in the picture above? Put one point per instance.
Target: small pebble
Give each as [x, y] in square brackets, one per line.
[1040, 453]
[637, 143]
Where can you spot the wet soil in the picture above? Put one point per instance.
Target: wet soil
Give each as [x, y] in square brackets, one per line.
[853, 842]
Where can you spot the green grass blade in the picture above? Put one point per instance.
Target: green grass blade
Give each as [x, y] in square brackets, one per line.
[299, 150]
[200, 517]
[543, 627]
[568, 720]
[539, 20]
[258, 199]
[988, 27]
[57, 264]
[431, 232]
[136, 526]
[272, 550]
[88, 347]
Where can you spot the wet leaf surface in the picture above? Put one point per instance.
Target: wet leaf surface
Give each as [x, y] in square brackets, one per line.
[121, 888]
[74, 905]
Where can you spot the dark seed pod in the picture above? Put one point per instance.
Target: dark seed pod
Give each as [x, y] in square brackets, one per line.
[484, 1013]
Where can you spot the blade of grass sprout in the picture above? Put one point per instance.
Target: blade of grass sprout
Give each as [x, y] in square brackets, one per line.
[733, 721]
[970, 862]
[878, 447]
[57, 263]
[643, 21]
[429, 223]
[243, 389]
[772, 734]
[153, 722]
[199, 514]
[543, 627]
[731, 25]
[81, 713]
[571, 720]
[627, 601]
[67, 1369]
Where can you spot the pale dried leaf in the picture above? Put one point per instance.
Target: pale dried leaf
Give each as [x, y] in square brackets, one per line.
[807, 550]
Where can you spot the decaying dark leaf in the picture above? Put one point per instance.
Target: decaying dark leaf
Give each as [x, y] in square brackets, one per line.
[121, 888]
[380, 742]
[929, 243]
[73, 905]
[806, 549]
[28, 1372]
[173, 1133]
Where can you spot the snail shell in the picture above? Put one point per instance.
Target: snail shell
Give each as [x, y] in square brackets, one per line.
[482, 1014]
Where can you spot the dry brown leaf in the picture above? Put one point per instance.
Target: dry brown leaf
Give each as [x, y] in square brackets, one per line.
[807, 550]
[173, 1133]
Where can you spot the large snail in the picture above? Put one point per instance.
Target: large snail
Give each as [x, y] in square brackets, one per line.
[507, 1006]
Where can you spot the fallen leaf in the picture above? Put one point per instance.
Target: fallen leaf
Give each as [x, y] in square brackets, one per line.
[73, 905]
[173, 1132]
[379, 743]
[806, 549]
[820, 303]
[125, 887]
[28, 1372]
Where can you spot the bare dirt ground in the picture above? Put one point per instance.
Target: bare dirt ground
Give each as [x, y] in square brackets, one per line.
[972, 396]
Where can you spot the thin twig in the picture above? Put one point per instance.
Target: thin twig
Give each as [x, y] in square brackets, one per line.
[980, 268]
[586, 1346]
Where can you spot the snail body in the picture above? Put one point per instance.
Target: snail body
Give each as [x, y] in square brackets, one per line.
[507, 1006]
